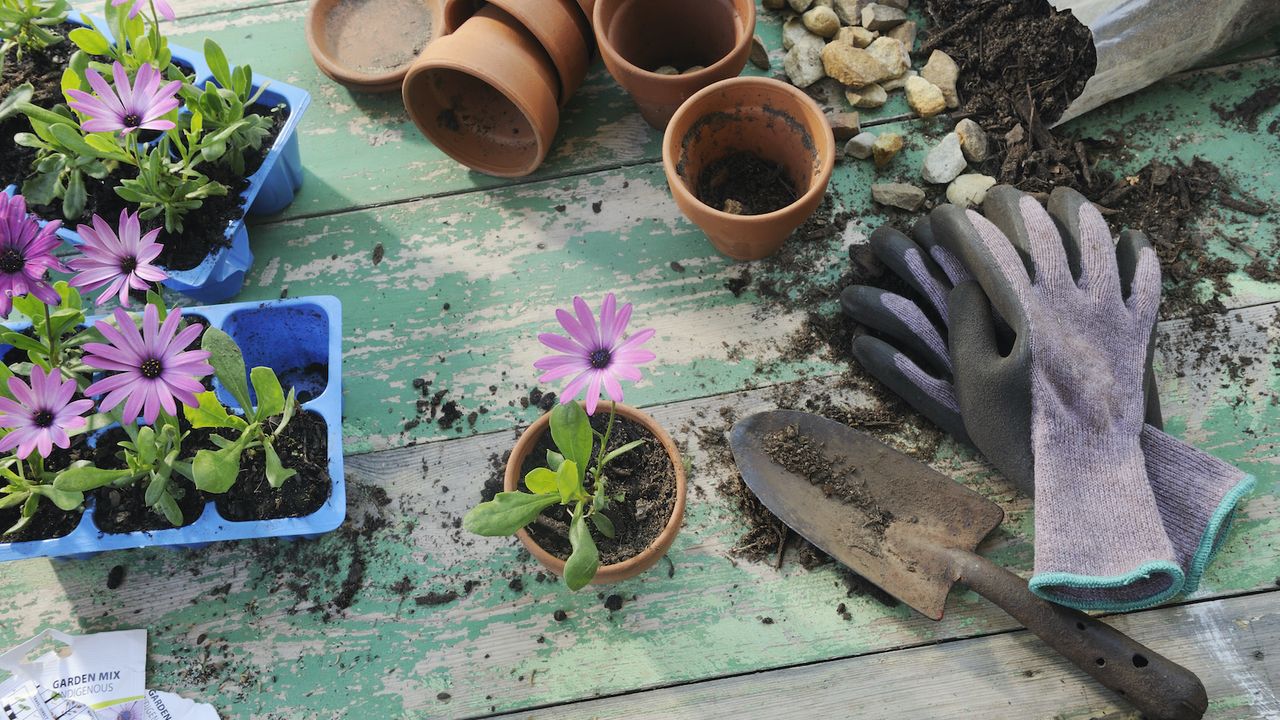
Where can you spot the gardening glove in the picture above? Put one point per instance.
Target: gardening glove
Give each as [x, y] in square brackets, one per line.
[1195, 492]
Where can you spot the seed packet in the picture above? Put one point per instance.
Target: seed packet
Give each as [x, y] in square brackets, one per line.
[105, 672]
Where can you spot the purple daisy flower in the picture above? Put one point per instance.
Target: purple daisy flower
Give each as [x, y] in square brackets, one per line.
[126, 108]
[26, 253]
[42, 413]
[118, 261]
[162, 6]
[152, 367]
[597, 355]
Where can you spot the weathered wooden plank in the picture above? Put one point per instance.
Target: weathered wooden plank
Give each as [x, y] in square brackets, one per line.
[268, 627]
[1226, 642]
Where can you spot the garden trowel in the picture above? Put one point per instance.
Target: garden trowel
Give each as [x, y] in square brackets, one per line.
[913, 531]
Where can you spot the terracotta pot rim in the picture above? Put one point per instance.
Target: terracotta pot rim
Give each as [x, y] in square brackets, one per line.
[654, 550]
[810, 107]
[606, 47]
[388, 81]
[531, 108]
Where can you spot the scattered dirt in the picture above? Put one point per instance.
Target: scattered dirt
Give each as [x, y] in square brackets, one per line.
[745, 184]
[115, 577]
[304, 447]
[643, 477]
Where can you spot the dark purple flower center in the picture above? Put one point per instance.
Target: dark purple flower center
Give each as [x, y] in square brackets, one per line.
[151, 368]
[128, 265]
[11, 261]
[43, 418]
[600, 358]
[132, 120]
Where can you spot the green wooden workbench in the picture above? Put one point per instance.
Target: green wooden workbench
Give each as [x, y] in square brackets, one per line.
[470, 268]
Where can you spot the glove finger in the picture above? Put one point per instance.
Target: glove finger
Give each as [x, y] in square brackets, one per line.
[950, 265]
[1139, 271]
[931, 396]
[1087, 241]
[910, 263]
[1154, 415]
[899, 320]
[1032, 231]
[990, 257]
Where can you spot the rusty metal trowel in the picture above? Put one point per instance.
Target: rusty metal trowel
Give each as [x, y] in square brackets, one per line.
[912, 531]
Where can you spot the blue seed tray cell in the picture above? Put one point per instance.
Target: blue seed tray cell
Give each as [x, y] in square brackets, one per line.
[271, 188]
[301, 340]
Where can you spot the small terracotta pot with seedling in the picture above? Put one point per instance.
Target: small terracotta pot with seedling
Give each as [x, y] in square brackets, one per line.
[663, 51]
[748, 160]
[594, 498]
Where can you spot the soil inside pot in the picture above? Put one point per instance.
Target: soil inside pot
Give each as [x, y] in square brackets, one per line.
[121, 510]
[644, 476]
[377, 36]
[745, 184]
[44, 71]
[304, 447]
[49, 521]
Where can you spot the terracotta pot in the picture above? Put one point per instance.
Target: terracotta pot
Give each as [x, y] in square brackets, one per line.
[486, 95]
[637, 37]
[558, 24]
[768, 118]
[369, 46]
[627, 568]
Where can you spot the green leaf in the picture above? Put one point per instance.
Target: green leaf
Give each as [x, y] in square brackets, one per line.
[66, 500]
[541, 481]
[146, 446]
[169, 507]
[215, 471]
[22, 342]
[155, 490]
[211, 413]
[70, 138]
[217, 62]
[104, 144]
[21, 94]
[622, 451]
[270, 395]
[14, 499]
[585, 559]
[506, 513]
[571, 430]
[554, 459]
[84, 478]
[603, 524]
[48, 117]
[228, 365]
[569, 482]
[90, 41]
[277, 473]
[73, 200]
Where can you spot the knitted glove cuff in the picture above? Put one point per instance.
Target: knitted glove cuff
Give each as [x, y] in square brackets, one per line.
[1197, 494]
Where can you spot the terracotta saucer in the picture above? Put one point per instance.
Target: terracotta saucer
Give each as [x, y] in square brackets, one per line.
[368, 45]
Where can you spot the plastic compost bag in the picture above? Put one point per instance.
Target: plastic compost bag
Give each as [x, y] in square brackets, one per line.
[1141, 41]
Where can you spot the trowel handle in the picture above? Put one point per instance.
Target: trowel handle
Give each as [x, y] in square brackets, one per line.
[1159, 687]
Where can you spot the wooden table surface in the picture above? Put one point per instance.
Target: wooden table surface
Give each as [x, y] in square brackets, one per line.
[470, 268]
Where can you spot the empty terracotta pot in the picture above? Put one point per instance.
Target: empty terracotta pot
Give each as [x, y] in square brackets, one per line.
[637, 37]
[769, 119]
[486, 95]
[650, 555]
[368, 45]
[559, 25]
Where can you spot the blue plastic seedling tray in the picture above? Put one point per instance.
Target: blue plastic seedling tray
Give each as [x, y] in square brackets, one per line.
[294, 337]
[271, 188]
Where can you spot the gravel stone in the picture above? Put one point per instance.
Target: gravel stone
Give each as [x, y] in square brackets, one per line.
[867, 96]
[969, 190]
[848, 11]
[844, 125]
[858, 37]
[885, 147]
[899, 82]
[821, 21]
[973, 140]
[804, 62]
[944, 162]
[800, 5]
[759, 55]
[892, 55]
[899, 195]
[851, 66]
[905, 34]
[859, 146]
[881, 17]
[794, 31]
[942, 71]
[924, 97]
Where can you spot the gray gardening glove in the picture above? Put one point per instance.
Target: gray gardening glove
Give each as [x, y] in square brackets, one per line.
[932, 393]
[1196, 493]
